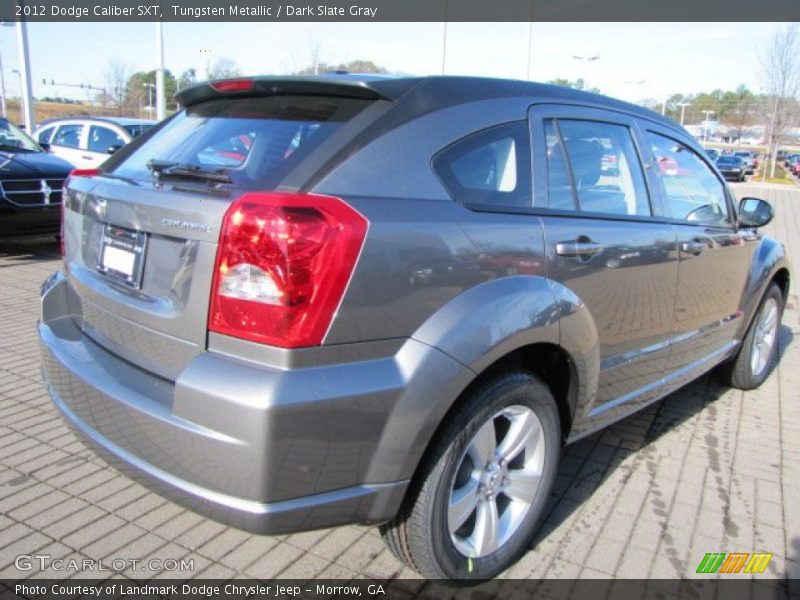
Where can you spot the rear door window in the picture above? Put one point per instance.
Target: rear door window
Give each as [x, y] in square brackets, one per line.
[45, 134]
[102, 138]
[256, 141]
[68, 135]
[606, 173]
[489, 168]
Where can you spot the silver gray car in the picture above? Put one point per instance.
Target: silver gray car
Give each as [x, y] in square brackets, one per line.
[303, 302]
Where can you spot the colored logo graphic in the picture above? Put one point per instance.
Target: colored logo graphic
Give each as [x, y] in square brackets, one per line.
[734, 562]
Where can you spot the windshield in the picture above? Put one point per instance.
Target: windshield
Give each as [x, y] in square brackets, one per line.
[254, 141]
[729, 160]
[14, 139]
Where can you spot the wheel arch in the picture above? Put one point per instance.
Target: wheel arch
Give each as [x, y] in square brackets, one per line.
[769, 264]
[521, 322]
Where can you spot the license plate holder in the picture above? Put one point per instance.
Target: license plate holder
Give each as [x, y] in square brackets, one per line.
[122, 254]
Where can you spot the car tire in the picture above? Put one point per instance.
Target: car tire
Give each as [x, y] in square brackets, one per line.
[464, 488]
[756, 356]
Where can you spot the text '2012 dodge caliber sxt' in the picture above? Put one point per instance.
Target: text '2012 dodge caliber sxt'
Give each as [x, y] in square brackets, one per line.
[304, 302]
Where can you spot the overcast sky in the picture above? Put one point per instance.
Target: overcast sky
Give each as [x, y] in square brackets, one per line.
[666, 57]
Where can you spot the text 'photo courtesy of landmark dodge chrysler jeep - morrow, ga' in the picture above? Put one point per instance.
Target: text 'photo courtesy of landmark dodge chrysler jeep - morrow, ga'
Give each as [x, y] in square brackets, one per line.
[303, 302]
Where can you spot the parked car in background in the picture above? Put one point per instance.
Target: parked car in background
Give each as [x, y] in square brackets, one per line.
[749, 159]
[30, 184]
[88, 142]
[733, 168]
[712, 153]
[222, 329]
[790, 159]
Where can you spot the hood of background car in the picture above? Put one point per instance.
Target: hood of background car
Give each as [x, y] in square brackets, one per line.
[32, 164]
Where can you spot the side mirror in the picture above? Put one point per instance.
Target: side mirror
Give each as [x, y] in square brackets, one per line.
[754, 212]
[114, 148]
[45, 146]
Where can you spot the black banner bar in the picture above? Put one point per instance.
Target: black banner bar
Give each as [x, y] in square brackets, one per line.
[734, 588]
[400, 10]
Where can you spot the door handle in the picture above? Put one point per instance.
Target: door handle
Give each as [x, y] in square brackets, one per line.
[578, 248]
[693, 247]
[87, 157]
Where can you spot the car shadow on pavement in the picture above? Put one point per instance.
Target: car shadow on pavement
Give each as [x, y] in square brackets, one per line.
[19, 251]
[588, 465]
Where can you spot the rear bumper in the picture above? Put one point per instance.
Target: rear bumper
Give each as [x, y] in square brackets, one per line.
[264, 449]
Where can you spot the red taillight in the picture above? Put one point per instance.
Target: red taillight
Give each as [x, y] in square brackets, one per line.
[233, 85]
[283, 263]
[73, 173]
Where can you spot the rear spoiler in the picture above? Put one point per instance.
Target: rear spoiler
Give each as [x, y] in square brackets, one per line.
[366, 87]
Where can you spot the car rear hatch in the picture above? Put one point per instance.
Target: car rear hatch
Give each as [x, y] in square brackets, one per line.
[141, 237]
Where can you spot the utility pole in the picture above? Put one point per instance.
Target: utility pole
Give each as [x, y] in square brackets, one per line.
[161, 101]
[530, 50]
[444, 40]
[2, 88]
[25, 72]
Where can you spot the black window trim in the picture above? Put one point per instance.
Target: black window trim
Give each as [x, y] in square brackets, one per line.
[521, 137]
[540, 112]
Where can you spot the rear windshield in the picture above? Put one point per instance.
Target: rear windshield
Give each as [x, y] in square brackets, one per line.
[255, 141]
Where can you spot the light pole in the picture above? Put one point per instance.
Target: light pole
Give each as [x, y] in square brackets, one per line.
[25, 68]
[705, 123]
[588, 59]
[21, 95]
[683, 106]
[161, 101]
[444, 35]
[149, 87]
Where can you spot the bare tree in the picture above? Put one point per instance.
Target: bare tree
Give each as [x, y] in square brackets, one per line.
[781, 68]
[116, 78]
[223, 68]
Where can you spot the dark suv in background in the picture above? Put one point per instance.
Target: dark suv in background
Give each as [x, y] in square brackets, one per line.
[302, 302]
[30, 185]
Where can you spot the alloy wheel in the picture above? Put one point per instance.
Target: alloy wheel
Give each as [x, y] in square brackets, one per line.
[496, 481]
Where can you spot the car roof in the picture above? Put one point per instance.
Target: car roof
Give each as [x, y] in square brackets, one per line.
[121, 121]
[429, 93]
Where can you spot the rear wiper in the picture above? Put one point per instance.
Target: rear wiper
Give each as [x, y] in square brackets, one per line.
[166, 168]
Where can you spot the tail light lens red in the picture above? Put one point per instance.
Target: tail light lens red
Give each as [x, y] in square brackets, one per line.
[283, 264]
[73, 173]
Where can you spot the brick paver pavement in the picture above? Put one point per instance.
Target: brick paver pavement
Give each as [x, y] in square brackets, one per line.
[708, 469]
